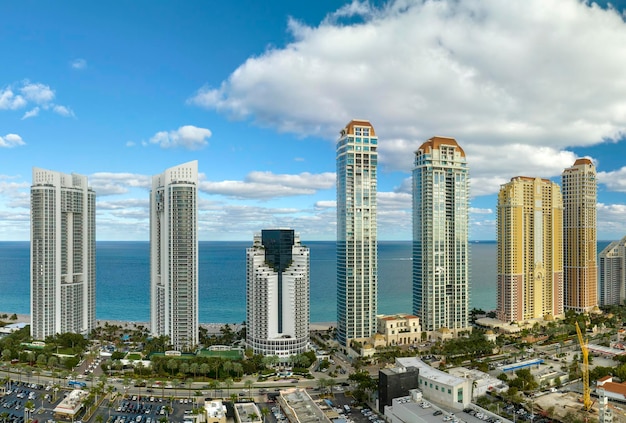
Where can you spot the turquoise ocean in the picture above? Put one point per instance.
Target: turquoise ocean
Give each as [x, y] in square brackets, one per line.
[123, 279]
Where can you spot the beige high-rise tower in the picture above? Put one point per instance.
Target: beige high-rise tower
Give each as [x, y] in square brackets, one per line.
[579, 236]
[530, 250]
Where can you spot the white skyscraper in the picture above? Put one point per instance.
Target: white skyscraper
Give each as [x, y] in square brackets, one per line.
[441, 277]
[62, 254]
[357, 246]
[277, 294]
[174, 255]
[612, 280]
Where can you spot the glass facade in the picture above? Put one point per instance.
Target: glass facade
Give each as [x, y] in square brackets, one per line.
[174, 255]
[63, 254]
[441, 278]
[357, 255]
[277, 294]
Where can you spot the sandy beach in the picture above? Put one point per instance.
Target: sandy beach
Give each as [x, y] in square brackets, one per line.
[210, 327]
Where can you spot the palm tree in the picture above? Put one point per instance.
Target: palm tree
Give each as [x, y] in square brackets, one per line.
[265, 412]
[100, 418]
[29, 407]
[249, 383]
[204, 369]
[193, 368]
[229, 384]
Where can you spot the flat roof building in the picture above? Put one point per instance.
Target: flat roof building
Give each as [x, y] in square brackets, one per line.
[439, 386]
[62, 254]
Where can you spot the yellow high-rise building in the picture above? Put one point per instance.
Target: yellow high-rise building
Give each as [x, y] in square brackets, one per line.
[579, 236]
[530, 250]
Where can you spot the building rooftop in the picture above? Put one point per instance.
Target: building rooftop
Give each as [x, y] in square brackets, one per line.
[429, 372]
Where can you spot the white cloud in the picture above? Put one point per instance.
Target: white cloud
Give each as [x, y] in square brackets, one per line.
[188, 136]
[611, 221]
[614, 180]
[78, 64]
[37, 93]
[10, 101]
[475, 210]
[267, 185]
[326, 204]
[31, 113]
[62, 110]
[505, 79]
[11, 140]
[107, 183]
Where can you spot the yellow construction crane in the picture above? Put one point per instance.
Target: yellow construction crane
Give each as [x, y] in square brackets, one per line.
[585, 370]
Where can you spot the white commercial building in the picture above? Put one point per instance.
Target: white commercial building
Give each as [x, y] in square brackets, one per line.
[62, 254]
[277, 294]
[438, 386]
[357, 246]
[174, 255]
[441, 274]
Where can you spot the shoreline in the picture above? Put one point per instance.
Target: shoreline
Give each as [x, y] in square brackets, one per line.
[211, 327]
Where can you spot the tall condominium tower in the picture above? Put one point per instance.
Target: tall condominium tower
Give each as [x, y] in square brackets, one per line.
[357, 255]
[530, 250]
[612, 280]
[579, 236]
[174, 255]
[441, 277]
[62, 254]
[277, 294]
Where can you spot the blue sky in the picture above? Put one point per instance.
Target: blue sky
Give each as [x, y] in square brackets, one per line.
[257, 92]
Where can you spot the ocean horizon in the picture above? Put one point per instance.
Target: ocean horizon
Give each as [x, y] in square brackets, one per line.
[123, 279]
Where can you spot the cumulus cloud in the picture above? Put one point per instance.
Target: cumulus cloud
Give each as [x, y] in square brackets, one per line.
[267, 185]
[108, 183]
[501, 77]
[475, 210]
[78, 64]
[188, 136]
[611, 221]
[614, 180]
[36, 95]
[326, 204]
[62, 110]
[31, 113]
[9, 100]
[11, 140]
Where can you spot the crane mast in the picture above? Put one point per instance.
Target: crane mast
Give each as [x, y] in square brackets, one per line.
[585, 370]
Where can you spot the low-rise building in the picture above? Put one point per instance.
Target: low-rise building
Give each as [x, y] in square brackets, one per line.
[481, 382]
[399, 329]
[439, 386]
[248, 412]
[612, 390]
[395, 382]
[215, 411]
[298, 407]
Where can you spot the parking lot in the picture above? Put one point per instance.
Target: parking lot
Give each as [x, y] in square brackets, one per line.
[148, 409]
[19, 394]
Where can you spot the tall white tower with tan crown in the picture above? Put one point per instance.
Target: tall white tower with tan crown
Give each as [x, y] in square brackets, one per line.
[357, 245]
[174, 255]
[441, 277]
